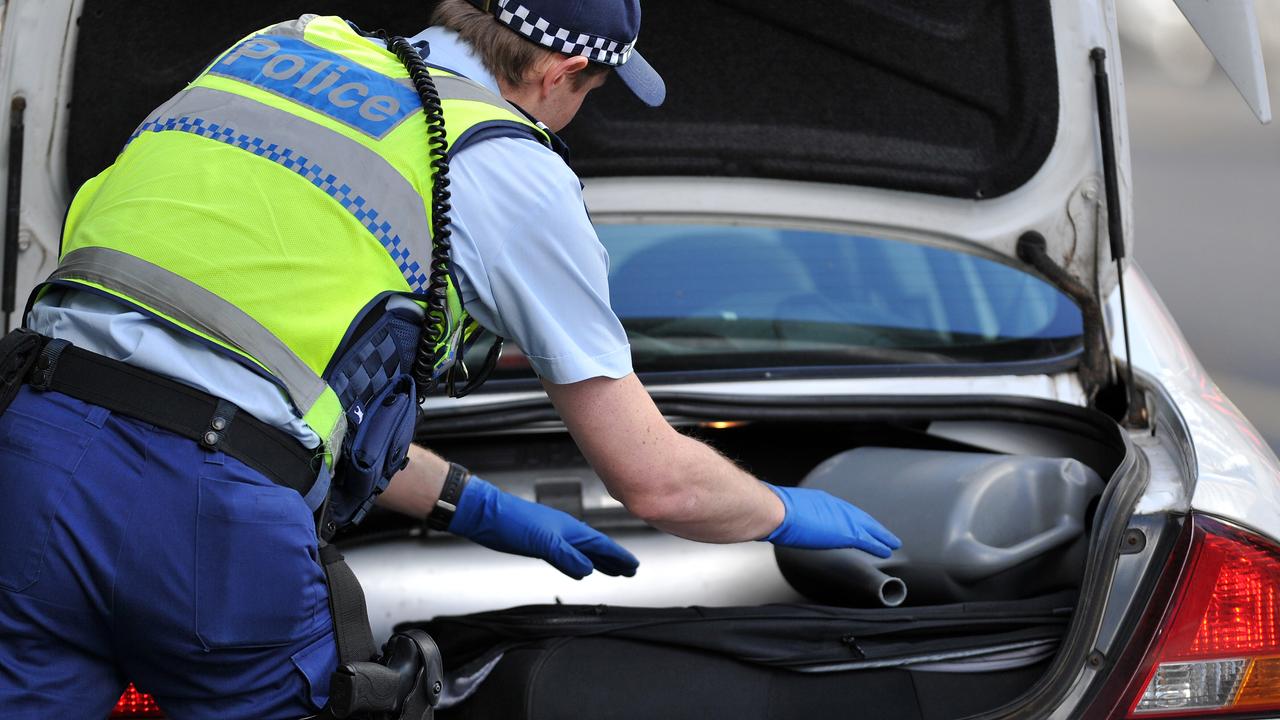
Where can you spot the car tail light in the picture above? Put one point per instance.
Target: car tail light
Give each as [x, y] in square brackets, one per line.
[1218, 648]
[134, 704]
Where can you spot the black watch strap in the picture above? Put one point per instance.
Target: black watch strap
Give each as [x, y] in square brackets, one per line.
[442, 514]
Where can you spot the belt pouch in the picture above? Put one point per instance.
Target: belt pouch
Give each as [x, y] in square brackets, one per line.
[379, 449]
[18, 353]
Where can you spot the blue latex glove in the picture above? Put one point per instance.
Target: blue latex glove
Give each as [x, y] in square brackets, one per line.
[818, 520]
[503, 522]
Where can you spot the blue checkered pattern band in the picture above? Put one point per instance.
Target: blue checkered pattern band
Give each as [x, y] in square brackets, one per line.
[354, 203]
[384, 353]
[539, 30]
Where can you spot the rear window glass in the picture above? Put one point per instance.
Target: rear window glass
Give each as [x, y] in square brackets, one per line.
[697, 297]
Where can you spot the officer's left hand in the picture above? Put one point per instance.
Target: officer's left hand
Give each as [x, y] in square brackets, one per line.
[501, 521]
[817, 520]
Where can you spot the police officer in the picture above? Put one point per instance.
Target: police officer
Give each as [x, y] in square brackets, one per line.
[230, 345]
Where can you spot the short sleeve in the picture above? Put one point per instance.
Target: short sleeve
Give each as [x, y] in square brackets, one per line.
[530, 266]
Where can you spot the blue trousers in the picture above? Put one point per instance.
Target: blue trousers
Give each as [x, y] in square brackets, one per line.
[129, 554]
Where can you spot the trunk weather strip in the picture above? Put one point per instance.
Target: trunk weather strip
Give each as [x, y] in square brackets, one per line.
[1122, 492]
[1072, 418]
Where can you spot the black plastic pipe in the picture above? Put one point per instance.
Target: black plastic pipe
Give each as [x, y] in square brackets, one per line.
[13, 207]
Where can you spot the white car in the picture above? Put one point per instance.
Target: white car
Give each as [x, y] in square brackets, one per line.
[860, 236]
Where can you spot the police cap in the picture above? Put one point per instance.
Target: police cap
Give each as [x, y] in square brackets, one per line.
[603, 31]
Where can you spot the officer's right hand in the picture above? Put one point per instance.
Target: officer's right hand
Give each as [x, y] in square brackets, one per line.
[503, 522]
[818, 520]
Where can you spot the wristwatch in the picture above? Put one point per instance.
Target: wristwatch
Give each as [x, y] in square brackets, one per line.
[442, 514]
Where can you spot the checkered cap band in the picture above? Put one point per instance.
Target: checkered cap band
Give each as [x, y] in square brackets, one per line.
[539, 30]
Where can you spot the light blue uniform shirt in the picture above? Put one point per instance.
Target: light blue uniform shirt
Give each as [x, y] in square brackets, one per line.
[530, 268]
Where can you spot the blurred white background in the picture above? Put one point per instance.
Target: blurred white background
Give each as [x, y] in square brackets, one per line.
[1207, 199]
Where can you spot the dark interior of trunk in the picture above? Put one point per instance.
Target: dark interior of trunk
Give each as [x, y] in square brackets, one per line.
[783, 633]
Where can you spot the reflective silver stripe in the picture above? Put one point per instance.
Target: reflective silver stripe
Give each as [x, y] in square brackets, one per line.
[199, 309]
[291, 28]
[460, 88]
[389, 206]
[334, 442]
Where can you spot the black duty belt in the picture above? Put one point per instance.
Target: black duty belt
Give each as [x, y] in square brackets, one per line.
[212, 422]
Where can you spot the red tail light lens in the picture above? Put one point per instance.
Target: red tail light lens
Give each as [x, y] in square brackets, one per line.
[1219, 646]
[134, 704]
[1230, 605]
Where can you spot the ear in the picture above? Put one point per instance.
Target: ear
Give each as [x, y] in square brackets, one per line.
[562, 70]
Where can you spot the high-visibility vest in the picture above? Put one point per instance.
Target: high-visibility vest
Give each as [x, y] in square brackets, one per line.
[277, 201]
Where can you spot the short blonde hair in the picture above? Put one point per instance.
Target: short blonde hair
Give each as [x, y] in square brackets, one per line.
[504, 52]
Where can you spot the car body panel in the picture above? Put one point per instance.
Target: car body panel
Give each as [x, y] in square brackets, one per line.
[37, 52]
[1234, 474]
[1061, 387]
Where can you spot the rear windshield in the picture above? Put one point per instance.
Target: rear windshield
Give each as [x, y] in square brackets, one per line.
[697, 297]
